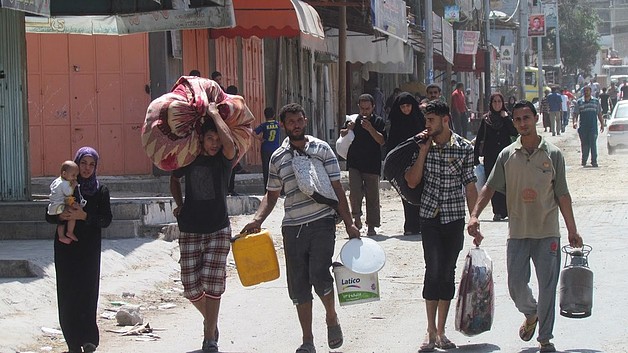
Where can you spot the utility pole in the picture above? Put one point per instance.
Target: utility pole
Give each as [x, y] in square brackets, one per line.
[487, 54]
[523, 47]
[560, 62]
[429, 45]
[539, 59]
[342, 67]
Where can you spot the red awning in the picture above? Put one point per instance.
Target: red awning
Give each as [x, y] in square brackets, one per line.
[462, 62]
[272, 19]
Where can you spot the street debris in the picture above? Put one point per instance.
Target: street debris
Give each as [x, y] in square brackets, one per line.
[144, 332]
[129, 315]
[51, 331]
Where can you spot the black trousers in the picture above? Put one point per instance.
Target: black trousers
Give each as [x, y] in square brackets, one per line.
[78, 278]
[412, 222]
[498, 201]
[265, 160]
[441, 245]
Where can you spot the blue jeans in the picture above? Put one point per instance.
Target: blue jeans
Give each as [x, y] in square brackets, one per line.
[588, 143]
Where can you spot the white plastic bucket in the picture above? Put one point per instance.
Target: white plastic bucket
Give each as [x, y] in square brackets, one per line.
[355, 288]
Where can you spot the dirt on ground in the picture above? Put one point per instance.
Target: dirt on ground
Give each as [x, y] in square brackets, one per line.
[262, 319]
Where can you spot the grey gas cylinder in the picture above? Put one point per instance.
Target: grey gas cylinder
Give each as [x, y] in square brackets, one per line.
[576, 283]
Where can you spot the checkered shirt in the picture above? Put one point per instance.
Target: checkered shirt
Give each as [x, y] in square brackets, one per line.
[447, 170]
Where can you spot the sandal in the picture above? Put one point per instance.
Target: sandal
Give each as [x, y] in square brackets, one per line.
[334, 336]
[443, 342]
[526, 331]
[209, 346]
[307, 347]
[429, 344]
[547, 347]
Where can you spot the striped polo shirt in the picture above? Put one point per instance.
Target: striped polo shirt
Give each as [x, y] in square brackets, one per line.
[300, 208]
[588, 111]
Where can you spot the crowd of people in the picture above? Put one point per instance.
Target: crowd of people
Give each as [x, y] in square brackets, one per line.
[445, 162]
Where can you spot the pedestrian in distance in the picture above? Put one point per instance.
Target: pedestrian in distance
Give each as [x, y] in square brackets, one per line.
[545, 111]
[217, 76]
[195, 73]
[406, 120]
[586, 110]
[433, 91]
[459, 111]
[613, 92]
[269, 133]
[77, 264]
[495, 132]
[204, 222]
[445, 165]
[624, 90]
[61, 197]
[565, 108]
[533, 171]
[511, 103]
[390, 100]
[308, 227]
[605, 102]
[555, 103]
[364, 169]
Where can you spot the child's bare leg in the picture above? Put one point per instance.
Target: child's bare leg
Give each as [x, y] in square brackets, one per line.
[70, 233]
[60, 232]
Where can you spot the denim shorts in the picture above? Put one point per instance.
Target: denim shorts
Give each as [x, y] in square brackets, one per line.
[309, 249]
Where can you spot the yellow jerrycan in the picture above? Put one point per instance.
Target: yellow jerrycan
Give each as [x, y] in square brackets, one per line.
[255, 257]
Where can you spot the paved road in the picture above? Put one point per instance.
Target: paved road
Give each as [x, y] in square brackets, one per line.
[262, 319]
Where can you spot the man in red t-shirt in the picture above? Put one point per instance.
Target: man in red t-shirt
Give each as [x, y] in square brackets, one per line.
[459, 111]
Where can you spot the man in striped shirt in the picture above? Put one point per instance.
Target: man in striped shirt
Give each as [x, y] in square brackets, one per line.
[308, 227]
[445, 164]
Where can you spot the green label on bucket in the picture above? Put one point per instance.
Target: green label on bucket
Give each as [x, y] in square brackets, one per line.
[353, 296]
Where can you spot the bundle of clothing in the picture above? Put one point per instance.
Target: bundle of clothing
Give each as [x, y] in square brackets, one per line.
[171, 130]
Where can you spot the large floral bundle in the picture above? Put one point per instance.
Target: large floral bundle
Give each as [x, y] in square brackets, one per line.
[170, 135]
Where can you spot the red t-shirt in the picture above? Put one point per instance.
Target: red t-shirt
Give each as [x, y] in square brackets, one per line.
[458, 101]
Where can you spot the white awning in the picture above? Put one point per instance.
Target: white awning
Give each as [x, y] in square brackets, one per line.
[156, 21]
[379, 54]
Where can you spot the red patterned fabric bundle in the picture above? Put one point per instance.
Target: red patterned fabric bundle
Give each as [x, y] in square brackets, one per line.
[170, 135]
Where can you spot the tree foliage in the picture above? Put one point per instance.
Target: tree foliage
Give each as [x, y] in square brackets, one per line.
[578, 35]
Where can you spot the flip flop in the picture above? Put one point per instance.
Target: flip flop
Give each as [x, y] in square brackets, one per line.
[526, 331]
[209, 346]
[334, 336]
[547, 347]
[306, 348]
[443, 342]
[429, 344]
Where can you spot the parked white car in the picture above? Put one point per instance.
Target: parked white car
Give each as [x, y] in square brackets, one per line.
[618, 128]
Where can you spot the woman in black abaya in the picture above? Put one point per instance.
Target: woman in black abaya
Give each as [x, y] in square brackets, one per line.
[406, 120]
[77, 264]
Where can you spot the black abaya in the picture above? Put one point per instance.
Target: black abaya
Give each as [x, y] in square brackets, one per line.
[77, 268]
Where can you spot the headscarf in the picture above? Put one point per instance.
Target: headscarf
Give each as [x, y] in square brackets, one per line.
[494, 118]
[88, 186]
[404, 126]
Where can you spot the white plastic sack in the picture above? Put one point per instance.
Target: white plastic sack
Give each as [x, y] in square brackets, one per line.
[476, 297]
[312, 179]
[344, 142]
[480, 173]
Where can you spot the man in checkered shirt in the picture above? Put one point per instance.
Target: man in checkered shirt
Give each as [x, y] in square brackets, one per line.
[445, 164]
